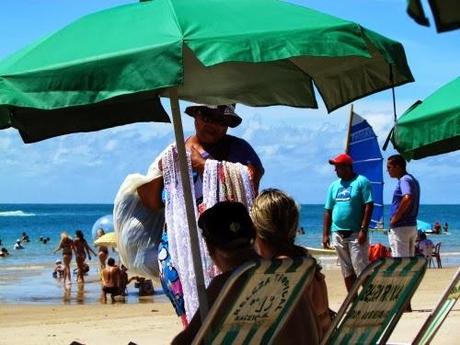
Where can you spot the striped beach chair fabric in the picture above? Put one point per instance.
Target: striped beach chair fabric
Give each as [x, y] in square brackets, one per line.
[370, 318]
[440, 312]
[256, 301]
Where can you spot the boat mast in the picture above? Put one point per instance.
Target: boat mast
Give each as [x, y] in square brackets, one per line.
[347, 143]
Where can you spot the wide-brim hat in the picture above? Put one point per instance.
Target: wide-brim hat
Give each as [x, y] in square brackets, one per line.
[227, 111]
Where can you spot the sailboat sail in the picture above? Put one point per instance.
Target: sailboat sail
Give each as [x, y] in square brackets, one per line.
[364, 148]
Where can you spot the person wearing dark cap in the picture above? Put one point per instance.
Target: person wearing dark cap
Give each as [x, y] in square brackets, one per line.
[229, 235]
[348, 211]
[211, 144]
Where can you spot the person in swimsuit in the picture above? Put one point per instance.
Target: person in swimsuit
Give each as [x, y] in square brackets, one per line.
[66, 245]
[110, 280]
[103, 251]
[81, 247]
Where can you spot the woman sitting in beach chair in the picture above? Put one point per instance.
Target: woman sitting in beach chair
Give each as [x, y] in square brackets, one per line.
[276, 219]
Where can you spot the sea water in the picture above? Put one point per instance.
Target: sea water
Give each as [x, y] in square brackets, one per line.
[25, 276]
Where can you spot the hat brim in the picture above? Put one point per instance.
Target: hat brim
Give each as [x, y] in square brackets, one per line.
[333, 162]
[234, 119]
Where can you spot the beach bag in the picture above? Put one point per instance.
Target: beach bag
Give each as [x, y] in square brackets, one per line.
[138, 228]
[378, 251]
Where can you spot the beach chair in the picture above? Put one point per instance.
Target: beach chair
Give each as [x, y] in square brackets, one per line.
[256, 301]
[369, 317]
[440, 312]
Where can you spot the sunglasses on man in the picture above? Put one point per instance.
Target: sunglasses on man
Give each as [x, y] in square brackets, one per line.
[211, 117]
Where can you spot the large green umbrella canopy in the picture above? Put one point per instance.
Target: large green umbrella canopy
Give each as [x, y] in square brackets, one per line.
[258, 52]
[430, 127]
[446, 13]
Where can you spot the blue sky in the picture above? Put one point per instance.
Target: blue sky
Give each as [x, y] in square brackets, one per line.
[294, 144]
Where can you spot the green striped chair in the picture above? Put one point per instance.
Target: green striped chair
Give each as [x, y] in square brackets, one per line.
[440, 312]
[256, 301]
[389, 284]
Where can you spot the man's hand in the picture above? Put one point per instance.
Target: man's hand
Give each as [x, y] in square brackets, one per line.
[326, 242]
[392, 221]
[197, 160]
[362, 237]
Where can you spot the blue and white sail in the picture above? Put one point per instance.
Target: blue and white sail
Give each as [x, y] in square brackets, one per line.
[364, 148]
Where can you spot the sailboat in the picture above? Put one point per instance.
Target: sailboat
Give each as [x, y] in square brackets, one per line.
[363, 147]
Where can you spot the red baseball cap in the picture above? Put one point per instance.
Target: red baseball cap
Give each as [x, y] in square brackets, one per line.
[342, 159]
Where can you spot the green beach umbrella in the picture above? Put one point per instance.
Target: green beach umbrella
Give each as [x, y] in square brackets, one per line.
[446, 13]
[258, 52]
[430, 127]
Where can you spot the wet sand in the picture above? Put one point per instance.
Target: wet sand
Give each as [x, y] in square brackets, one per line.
[156, 323]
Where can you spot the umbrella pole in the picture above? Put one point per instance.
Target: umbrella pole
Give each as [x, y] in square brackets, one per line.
[189, 203]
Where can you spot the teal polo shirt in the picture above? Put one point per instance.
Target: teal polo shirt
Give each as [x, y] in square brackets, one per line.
[346, 199]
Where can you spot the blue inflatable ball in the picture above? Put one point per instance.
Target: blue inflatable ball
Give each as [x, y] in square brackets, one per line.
[105, 223]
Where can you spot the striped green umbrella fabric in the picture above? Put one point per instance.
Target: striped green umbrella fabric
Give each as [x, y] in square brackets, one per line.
[373, 314]
[256, 301]
[258, 52]
[430, 127]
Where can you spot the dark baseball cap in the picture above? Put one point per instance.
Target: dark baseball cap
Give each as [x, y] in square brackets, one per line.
[227, 225]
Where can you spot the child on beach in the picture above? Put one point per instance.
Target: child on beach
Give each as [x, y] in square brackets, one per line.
[103, 251]
[58, 269]
[66, 245]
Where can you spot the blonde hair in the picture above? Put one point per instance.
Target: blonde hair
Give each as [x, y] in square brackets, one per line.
[64, 235]
[275, 216]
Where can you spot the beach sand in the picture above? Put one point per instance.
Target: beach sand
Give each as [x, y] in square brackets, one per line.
[156, 323]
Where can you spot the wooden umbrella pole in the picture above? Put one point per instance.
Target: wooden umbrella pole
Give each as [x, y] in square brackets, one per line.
[347, 143]
[189, 203]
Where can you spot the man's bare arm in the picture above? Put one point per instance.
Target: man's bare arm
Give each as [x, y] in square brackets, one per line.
[150, 194]
[362, 236]
[327, 222]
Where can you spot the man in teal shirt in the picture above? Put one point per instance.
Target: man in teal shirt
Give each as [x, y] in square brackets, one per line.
[347, 214]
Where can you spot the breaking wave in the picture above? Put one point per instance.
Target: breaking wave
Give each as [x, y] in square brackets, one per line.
[16, 214]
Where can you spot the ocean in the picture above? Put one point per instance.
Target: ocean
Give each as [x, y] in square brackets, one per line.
[25, 276]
